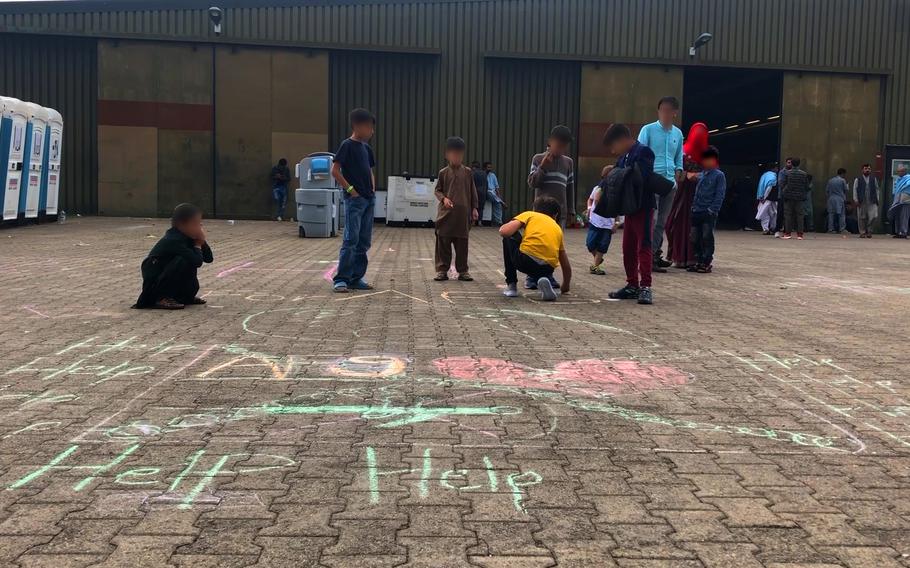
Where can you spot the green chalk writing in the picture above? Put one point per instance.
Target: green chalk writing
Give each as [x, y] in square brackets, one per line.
[206, 479]
[373, 476]
[101, 469]
[517, 482]
[43, 469]
[425, 473]
[491, 474]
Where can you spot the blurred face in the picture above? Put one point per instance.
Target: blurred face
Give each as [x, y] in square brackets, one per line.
[666, 114]
[867, 171]
[364, 131]
[557, 147]
[902, 171]
[191, 227]
[489, 167]
[709, 163]
[789, 164]
[455, 157]
[621, 146]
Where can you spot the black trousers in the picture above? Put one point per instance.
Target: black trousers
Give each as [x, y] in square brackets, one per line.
[515, 261]
[702, 235]
[793, 216]
[173, 278]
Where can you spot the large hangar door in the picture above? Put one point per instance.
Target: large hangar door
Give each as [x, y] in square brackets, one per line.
[618, 93]
[830, 121]
[269, 104]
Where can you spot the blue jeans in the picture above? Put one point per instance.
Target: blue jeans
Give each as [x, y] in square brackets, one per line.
[703, 236]
[280, 195]
[358, 237]
[497, 211]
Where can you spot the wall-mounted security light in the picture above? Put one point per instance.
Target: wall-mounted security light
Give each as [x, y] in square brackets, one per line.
[700, 41]
[216, 14]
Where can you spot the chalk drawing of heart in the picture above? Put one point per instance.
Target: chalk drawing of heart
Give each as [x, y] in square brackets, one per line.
[586, 377]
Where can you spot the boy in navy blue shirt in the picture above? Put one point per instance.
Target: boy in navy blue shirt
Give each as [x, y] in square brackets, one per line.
[709, 197]
[353, 169]
[637, 256]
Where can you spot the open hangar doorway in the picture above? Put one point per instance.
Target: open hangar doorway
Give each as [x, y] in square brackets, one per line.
[742, 109]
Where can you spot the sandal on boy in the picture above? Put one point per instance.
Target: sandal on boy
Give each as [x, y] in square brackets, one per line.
[168, 304]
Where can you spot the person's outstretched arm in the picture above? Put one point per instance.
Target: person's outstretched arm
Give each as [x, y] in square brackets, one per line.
[566, 271]
[510, 228]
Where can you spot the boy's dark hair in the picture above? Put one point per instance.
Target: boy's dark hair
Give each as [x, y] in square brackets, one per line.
[710, 152]
[485, 164]
[475, 164]
[616, 132]
[455, 143]
[362, 116]
[841, 171]
[282, 162]
[548, 206]
[672, 101]
[561, 134]
[796, 162]
[867, 166]
[184, 212]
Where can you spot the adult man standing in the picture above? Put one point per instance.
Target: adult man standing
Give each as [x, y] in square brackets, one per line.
[781, 182]
[480, 181]
[281, 176]
[666, 141]
[494, 194]
[865, 195]
[836, 192]
[794, 193]
[767, 200]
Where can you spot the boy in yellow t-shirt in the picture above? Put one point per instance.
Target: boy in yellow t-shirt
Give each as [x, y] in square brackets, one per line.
[532, 243]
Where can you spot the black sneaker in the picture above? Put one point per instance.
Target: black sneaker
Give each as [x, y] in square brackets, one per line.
[660, 261]
[645, 296]
[658, 268]
[625, 293]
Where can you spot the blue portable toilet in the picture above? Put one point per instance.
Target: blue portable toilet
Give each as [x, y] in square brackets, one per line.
[53, 147]
[13, 125]
[33, 162]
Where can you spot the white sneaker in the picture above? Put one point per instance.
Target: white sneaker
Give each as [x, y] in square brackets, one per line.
[511, 291]
[547, 294]
[279, 219]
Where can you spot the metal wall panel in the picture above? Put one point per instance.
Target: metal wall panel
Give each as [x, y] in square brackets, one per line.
[524, 101]
[60, 73]
[401, 91]
[855, 36]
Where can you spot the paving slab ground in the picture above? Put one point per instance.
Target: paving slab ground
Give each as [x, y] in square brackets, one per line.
[757, 416]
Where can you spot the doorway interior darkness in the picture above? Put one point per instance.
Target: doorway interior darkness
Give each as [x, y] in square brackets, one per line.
[742, 108]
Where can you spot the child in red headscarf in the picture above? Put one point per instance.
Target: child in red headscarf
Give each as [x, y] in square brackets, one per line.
[680, 250]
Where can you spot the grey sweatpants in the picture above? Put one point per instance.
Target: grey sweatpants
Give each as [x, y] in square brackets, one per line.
[664, 204]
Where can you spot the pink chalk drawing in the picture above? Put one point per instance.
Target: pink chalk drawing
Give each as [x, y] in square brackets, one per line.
[586, 377]
[489, 370]
[329, 273]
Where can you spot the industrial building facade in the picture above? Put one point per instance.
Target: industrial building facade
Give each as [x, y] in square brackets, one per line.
[159, 109]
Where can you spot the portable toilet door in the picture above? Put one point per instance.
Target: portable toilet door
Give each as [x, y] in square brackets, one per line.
[13, 128]
[53, 146]
[33, 161]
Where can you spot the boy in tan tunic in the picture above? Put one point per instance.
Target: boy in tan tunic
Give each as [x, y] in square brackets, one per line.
[457, 197]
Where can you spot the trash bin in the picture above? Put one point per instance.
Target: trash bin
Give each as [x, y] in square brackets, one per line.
[317, 212]
[319, 199]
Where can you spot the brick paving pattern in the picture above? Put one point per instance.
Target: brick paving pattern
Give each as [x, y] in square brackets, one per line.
[758, 416]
